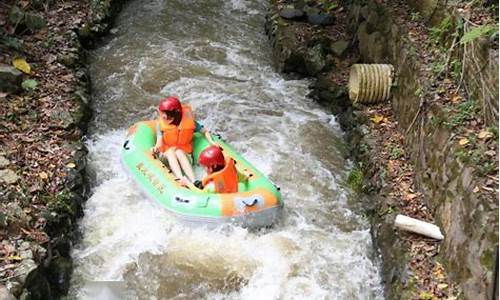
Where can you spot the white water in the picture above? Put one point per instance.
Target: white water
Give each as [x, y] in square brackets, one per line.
[215, 56]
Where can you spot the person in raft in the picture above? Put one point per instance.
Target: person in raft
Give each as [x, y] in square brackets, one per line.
[222, 174]
[174, 136]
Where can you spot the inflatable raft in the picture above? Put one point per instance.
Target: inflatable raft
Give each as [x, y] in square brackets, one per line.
[256, 204]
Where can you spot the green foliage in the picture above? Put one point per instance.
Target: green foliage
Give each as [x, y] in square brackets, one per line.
[415, 16]
[482, 163]
[418, 92]
[455, 68]
[494, 130]
[49, 41]
[437, 67]
[490, 31]
[29, 84]
[439, 32]
[462, 113]
[395, 151]
[11, 42]
[355, 179]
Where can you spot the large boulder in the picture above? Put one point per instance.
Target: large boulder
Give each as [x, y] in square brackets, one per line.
[10, 79]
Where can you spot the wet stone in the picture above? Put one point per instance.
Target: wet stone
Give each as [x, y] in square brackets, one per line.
[10, 79]
[59, 271]
[320, 19]
[291, 13]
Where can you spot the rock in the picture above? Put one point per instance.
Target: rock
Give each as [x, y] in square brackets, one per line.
[61, 119]
[315, 60]
[15, 213]
[36, 285]
[10, 79]
[339, 47]
[372, 21]
[34, 21]
[311, 10]
[69, 59]
[85, 32]
[24, 269]
[320, 19]
[4, 293]
[4, 162]
[8, 176]
[299, 4]
[16, 16]
[14, 287]
[59, 274]
[291, 13]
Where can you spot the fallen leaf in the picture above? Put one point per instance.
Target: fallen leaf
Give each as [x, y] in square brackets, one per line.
[455, 99]
[24, 3]
[463, 141]
[442, 286]
[426, 295]
[71, 165]
[484, 135]
[14, 257]
[411, 196]
[475, 190]
[22, 65]
[378, 119]
[490, 153]
[43, 175]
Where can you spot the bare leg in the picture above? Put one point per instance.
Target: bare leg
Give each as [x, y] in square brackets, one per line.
[173, 163]
[185, 164]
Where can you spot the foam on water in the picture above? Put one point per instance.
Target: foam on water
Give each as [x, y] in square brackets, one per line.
[214, 55]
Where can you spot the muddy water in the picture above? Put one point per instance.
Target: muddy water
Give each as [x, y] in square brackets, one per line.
[214, 55]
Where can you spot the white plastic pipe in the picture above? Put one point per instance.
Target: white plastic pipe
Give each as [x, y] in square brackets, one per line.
[417, 226]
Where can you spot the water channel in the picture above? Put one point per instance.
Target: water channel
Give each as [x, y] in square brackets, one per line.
[214, 55]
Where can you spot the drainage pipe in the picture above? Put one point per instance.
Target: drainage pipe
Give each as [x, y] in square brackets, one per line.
[370, 83]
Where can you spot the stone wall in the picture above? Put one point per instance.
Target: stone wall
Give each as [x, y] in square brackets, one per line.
[468, 220]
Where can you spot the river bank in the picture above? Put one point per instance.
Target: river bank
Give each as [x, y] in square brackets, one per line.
[44, 105]
[414, 160]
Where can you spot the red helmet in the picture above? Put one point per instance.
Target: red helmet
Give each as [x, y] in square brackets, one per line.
[211, 156]
[169, 104]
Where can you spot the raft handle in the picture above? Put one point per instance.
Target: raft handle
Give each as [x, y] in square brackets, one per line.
[125, 145]
[254, 201]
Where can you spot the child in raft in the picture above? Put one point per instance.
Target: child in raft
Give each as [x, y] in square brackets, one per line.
[222, 174]
[174, 136]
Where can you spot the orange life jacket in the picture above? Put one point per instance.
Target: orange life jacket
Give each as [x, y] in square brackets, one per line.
[225, 180]
[179, 136]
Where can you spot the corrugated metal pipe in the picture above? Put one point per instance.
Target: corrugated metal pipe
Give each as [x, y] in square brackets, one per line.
[370, 83]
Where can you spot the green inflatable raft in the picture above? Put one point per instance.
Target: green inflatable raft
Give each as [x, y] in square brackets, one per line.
[257, 203]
